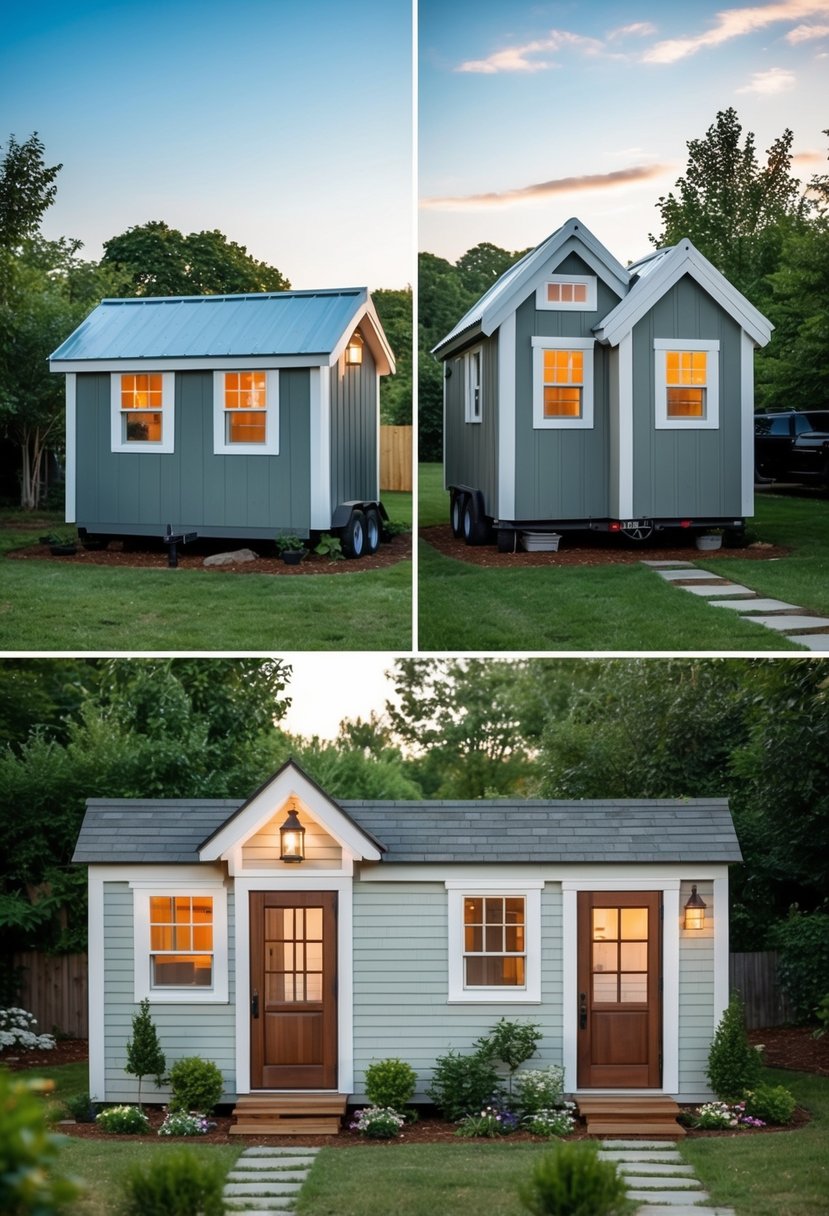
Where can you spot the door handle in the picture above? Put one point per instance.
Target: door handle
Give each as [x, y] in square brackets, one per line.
[254, 1004]
[582, 1011]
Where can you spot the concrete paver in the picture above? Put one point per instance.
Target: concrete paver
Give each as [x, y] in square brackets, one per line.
[755, 604]
[692, 572]
[713, 590]
[812, 641]
[786, 622]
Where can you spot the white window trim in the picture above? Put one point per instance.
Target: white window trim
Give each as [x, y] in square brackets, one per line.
[119, 442]
[142, 891]
[588, 305]
[585, 422]
[711, 421]
[221, 446]
[468, 383]
[530, 993]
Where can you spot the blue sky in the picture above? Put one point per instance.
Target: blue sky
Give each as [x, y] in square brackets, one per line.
[285, 125]
[534, 112]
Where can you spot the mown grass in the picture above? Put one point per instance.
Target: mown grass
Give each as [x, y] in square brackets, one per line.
[463, 607]
[48, 607]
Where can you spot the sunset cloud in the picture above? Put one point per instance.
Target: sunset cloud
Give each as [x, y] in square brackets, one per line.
[775, 80]
[518, 58]
[804, 33]
[639, 29]
[735, 23]
[633, 175]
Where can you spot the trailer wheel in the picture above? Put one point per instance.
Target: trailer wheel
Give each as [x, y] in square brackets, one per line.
[354, 535]
[373, 530]
[507, 540]
[456, 513]
[638, 535]
[474, 524]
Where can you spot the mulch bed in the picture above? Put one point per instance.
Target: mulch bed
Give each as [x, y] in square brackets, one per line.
[592, 549]
[793, 1047]
[151, 555]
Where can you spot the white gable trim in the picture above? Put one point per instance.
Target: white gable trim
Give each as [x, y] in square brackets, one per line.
[227, 843]
[366, 318]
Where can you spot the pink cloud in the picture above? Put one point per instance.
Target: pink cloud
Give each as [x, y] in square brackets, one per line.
[540, 190]
[517, 58]
[735, 23]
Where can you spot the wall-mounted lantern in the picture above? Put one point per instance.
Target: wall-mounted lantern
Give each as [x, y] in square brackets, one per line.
[695, 910]
[292, 838]
[354, 350]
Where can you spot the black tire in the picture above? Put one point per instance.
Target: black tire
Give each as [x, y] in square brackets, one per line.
[353, 538]
[474, 523]
[456, 507]
[373, 530]
[639, 536]
[507, 540]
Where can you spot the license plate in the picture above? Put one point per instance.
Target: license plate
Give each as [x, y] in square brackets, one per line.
[636, 523]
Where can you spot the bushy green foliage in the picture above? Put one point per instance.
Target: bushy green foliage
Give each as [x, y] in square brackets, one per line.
[462, 1084]
[803, 968]
[557, 1122]
[197, 1085]
[572, 1181]
[30, 1181]
[510, 1042]
[771, 1103]
[123, 1120]
[175, 1184]
[182, 1123]
[377, 1123]
[390, 1083]
[540, 1088]
[733, 1064]
[82, 1108]
[144, 1055]
[490, 1122]
[822, 1015]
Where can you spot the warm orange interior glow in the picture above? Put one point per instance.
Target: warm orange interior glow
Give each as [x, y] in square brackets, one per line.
[245, 391]
[567, 293]
[686, 374]
[563, 380]
[181, 929]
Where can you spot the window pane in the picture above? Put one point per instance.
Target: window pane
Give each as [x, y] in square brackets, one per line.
[634, 988]
[562, 402]
[604, 987]
[634, 924]
[182, 971]
[605, 924]
[202, 910]
[514, 939]
[494, 939]
[473, 938]
[161, 909]
[634, 956]
[203, 937]
[515, 911]
[181, 938]
[143, 428]
[554, 292]
[313, 986]
[494, 911]
[161, 937]
[246, 427]
[580, 293]
[313, 924]
[686, 402]
[473, 911]
[313, 956]
[494, 972]
[605, 956]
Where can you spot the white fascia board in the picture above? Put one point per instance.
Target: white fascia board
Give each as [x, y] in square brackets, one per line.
[261, 808]
[71, 446]
[366, 317]
[240, 363]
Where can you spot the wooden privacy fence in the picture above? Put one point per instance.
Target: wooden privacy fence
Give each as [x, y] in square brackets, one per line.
[755, 977]
[395, 458]
[54, 988]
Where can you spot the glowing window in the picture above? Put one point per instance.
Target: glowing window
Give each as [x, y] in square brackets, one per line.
[563, 292]
[687, 384]
[245, 412]
[494, 941]
[563, 382]
[142, 411]
[181, 941]
[686, 374]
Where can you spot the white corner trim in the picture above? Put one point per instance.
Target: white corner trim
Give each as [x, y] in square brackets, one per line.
[71, 443]
[721, 948]
[96, 980]
[711, 419]
[320, 439]
[221, 444]
[457, 993]
[585, 421]
[670, 989]
[217, 994]
[505, 451]
[746, 425]
[570, 986]
[625, 423]
[118, 443]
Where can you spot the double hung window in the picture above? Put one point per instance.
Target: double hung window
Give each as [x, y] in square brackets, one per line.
[142, 405]
[562, 382]
[686, 376]
[246, 412]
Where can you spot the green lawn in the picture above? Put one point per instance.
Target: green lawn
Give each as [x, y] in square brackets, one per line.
[45, 606]
[463, 607]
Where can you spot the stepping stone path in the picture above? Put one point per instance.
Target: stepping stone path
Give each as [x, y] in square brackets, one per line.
[809, 631]
[266, 1181]
[656, 1177]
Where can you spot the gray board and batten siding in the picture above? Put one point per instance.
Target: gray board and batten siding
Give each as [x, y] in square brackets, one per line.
[471, 449]
[355, 435]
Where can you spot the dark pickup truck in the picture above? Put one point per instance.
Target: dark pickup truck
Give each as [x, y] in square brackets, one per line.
[792, 445]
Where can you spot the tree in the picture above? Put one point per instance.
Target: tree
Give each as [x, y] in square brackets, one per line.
[144, 1055]
[27, 190]
[394, 308]
[157, 260]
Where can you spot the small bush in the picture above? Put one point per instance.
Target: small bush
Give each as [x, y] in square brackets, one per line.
[175, 1183]
[510, 1042]
[540, 1089]
[377, 1123]
[123, 1120]
[716, 1116]
[197, 1085]
[491, 1121]
[572, 1181]
[30, 1182]
[558, 1122]
[390, 1083]
[82, 1108]
[733, 1064]
[17, 1031]
[144, 1055]
[771, 1103]
[180, 1123]
[462, 1085]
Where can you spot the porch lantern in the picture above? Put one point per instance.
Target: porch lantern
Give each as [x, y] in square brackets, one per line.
[292, 838]
[695, 910]
[354, 350]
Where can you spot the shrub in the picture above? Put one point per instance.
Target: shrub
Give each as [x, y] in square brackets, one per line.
[540, 1088]
[803, 942]
[733, 1064]
[462, 1084]
[492, 1121]
[30, 1182]
[123, 1120]
[175, 1183]
[572, 1181]
[510, 1042]
[771, 1103]
[82, 1108]
[197, 1085]
[377, 1123]
[17, 1030]
[329, 546]
[716, 1116]
[144, 1055]
[390, 1083]
[822, 1016]
[559, 1121]
[180, 1123]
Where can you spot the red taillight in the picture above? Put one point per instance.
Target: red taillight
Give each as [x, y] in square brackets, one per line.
[614, 526]
[685, 523]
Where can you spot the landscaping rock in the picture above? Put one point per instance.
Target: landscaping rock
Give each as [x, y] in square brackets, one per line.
[236, 557]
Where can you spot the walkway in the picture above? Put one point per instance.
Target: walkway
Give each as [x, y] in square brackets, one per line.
[795, 623]
[658, 1178]
[266, 1181]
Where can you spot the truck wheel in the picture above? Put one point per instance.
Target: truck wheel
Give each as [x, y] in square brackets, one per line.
[456, 513]
[354, 535]
[474, 524]
[372, 530]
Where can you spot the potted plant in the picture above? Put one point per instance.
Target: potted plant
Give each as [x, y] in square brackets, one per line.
[711, 538]
[291, 549]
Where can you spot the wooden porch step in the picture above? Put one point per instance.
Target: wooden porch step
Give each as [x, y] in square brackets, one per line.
[288, 1114]
[607, 1115]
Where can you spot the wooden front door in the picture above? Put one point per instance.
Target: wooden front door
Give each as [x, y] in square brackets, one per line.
[619, 1000]
[293, 964]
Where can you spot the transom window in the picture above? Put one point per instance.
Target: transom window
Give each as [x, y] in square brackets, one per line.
[563, 382]
[142, 411]
[567, 292]
[494, 941]
[686, 380]
[181, 941]
[620, 956]
[246, 412]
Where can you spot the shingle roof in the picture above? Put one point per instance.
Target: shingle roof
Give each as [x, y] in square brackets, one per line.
[631, 830]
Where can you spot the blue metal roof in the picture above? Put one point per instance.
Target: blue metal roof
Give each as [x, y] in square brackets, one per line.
[286, 323]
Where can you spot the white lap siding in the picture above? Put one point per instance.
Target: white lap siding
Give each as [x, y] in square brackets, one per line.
[401, 982]
[185, 1029]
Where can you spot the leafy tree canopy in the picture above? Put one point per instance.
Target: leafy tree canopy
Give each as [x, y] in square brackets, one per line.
[27, 190]
[394, 308]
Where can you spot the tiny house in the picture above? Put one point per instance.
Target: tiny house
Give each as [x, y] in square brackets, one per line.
[249, 416]
[582, 394]
[293, 938]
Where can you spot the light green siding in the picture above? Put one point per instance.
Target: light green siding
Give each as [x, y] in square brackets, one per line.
[354, 431]
[696, 995]
[192, 488]
[205, 1030]
[686, 472]
[401, 982]
[471, 448]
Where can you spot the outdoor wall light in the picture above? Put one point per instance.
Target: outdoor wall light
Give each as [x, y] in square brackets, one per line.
[354, 350]
[695, 910]
[292, 838]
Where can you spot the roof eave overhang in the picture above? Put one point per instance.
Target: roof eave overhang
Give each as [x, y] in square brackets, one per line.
[366, 319]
